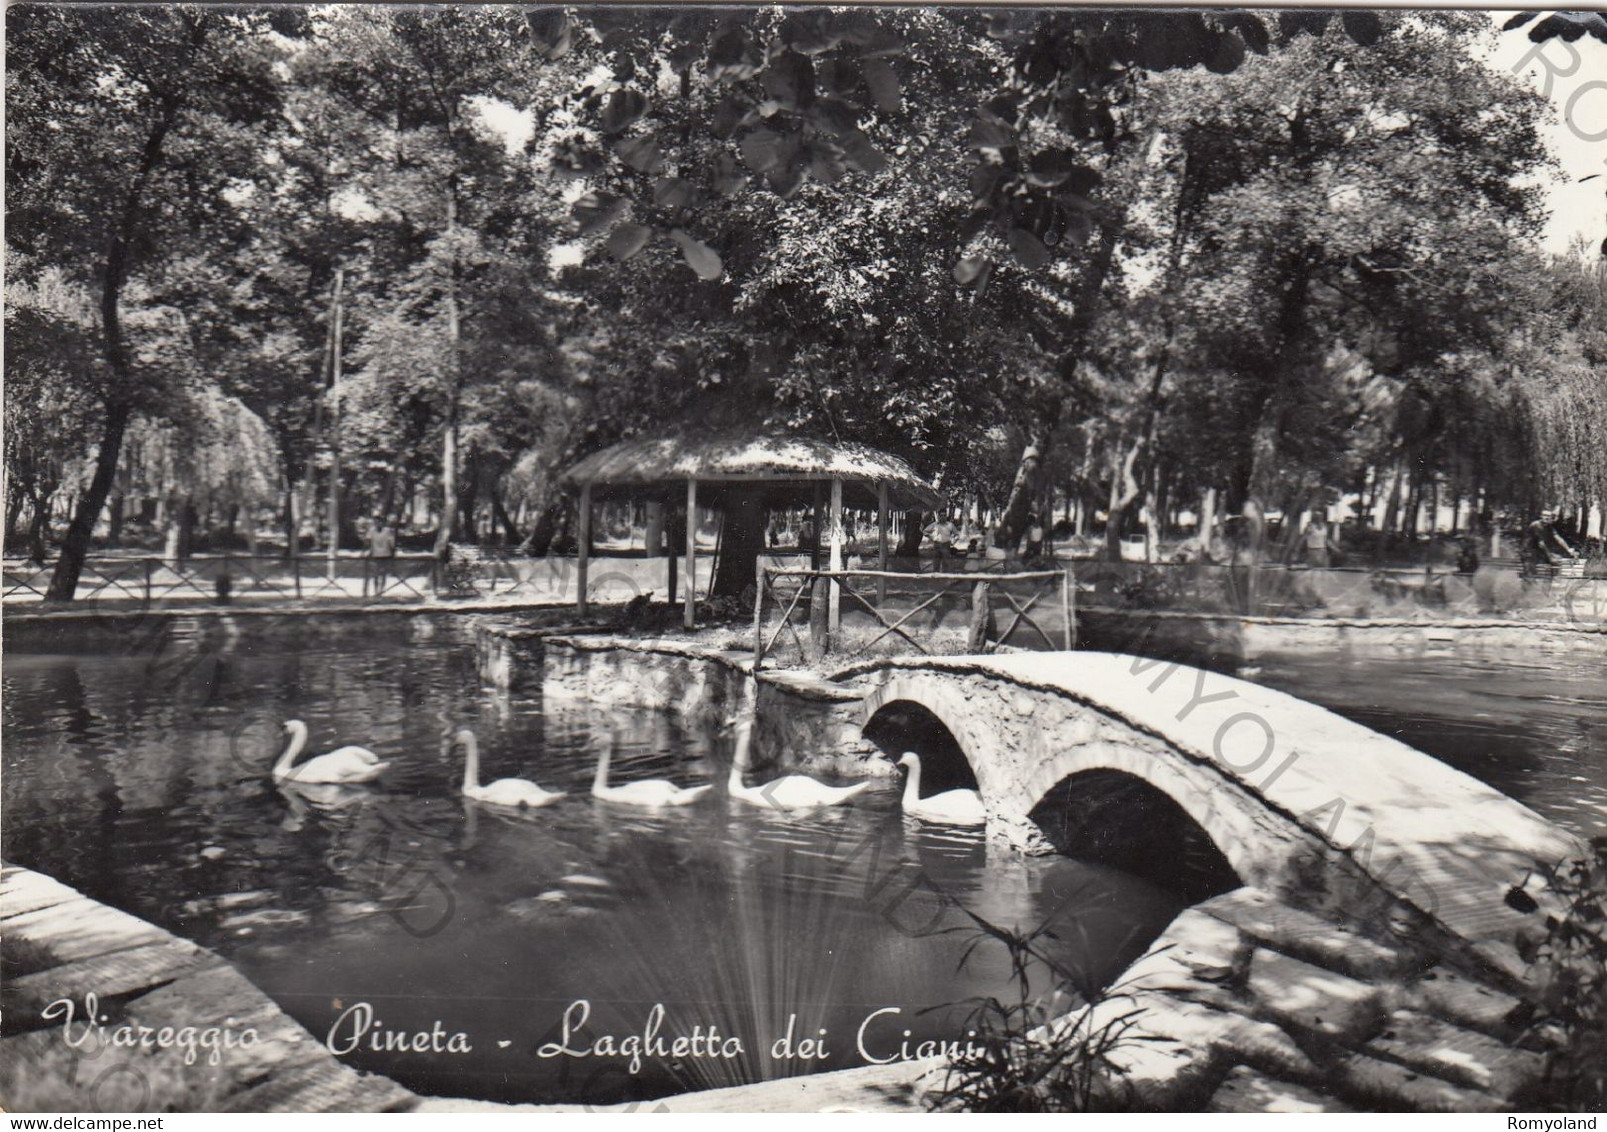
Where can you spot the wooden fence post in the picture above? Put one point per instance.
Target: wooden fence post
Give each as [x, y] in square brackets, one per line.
[689, 610]
[819, 618]
[147, 581]
[977, 639]
[758, 613]
[881, 544]
[836, 557]
[1068, 607]
[583, 550]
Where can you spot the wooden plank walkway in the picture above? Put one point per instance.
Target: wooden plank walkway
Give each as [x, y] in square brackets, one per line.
[61, 945]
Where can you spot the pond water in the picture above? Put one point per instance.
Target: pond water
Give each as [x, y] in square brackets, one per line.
[143, 781]
[140, 776]
[1535, 729]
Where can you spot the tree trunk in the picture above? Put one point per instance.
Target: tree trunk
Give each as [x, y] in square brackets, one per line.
[1029, 479]
[75, 546]
[39, 527]
[449, 443]
[400, 513]
[180, 531]
[1258, 467]
[1124, 489]
[119, 407]
[287, 516]
[909, 543]
[387, 498]
[1149, 515]
[541, 534]
[14, 504]
[499, 514]
[1163, 503]
[741, 543]
[1292, 527]
[1414, 501]
[468, 499]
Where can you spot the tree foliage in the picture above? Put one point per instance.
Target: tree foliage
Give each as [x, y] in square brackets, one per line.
[1124, 253]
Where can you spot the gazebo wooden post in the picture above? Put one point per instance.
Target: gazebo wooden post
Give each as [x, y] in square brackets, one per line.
[689, 618]
[881, 543]
[672, 557]
[815, 520]
[583, 544]
[835, 617]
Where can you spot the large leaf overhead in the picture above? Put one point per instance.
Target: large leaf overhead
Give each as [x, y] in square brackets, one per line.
[1028, 248]
[624, 108]
[628, 239]
[967, 270]
[860, 154]
[733, 56]
[883, 83]
[596, 210]
[765, 150]
[789, 81]
[701, 258]
[673, 192]
[642, 155]
[727, 179]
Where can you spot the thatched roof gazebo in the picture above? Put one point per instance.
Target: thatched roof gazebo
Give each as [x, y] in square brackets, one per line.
[777, 471]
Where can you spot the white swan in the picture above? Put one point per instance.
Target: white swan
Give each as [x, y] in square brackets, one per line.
[646, 792]
[790, 791]
[952, 807]
[348, 764]
[504, 791]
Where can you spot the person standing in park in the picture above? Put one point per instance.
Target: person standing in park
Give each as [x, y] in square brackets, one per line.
[1032, 544]
[382, 553]
[942, 535]
[1540, 538]
[1316, 538]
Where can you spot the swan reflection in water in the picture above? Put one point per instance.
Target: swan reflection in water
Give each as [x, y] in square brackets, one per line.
[304, 799]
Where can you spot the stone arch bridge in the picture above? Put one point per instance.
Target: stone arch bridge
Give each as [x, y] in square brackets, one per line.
[1301, 803]
[1360, 956]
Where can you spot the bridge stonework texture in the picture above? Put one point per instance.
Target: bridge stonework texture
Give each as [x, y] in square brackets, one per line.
[1367, 960]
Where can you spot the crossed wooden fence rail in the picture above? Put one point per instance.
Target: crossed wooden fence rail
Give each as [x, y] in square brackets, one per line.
[146, 579]
[979, 588]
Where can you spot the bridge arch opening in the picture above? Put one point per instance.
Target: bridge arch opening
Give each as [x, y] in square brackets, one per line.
[1114, 818]
[904, 725]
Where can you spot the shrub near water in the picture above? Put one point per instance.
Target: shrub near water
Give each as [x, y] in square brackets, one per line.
[1567, 1010]
[1039, 1052]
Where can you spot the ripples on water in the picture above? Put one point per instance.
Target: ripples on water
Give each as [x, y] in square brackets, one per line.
[1537, 732]
[146, 785]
